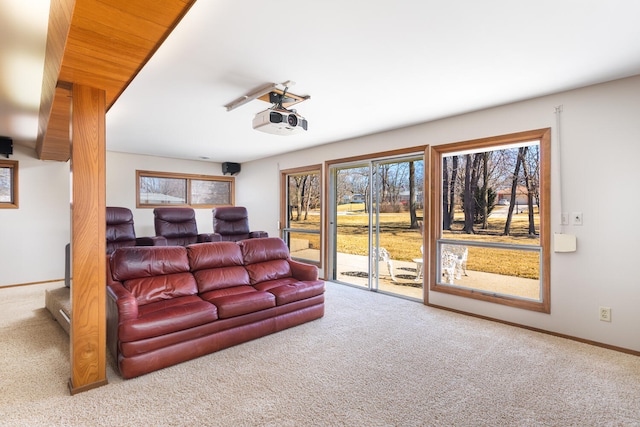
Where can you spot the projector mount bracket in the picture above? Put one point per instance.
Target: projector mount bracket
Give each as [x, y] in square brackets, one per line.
[272, 94]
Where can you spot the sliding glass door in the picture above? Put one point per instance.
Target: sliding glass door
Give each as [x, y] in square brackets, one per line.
[376, 209]
[350, 231]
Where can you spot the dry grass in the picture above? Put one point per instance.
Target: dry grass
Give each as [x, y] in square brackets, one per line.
[404, 243]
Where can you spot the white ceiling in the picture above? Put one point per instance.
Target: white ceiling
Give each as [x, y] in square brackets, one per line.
[368, 66]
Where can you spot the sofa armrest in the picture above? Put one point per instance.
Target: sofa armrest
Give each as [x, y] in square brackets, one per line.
[302, 271]
[256, 234]
[125, 301]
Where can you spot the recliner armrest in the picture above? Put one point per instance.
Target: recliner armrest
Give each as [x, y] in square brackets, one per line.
[257, 234]
[209, 237]
[302, 271]
[151, 241]
[126, 302]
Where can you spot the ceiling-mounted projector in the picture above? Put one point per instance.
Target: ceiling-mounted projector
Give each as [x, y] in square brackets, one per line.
[279, 121]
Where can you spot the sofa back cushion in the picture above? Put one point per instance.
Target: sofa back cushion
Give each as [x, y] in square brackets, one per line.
[217, 265]
[153, 273]
[265, 259]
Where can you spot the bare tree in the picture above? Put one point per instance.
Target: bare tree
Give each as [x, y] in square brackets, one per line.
[514, 189]
[485, 190]
[530, 193]
[412, 196]
[449, 191]
[312, 194]
[470, 184]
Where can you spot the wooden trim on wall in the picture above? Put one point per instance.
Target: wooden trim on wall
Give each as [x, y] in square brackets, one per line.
[188, 178]
[542, 331]
[426, 225]
[542, 135]
[15, 184]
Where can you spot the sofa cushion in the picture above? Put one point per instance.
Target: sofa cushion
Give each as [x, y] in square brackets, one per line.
[213, 255]
[265, 259]
[217, 265]
[268, 270]
[290, 289]
[219, 278]
[147, 261]
[152, 289]
[239, 300]
[263, 249]
[153, 273]
[167, 316]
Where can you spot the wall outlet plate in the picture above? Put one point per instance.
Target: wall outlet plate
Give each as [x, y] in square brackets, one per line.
[576, 218]
[605, 314]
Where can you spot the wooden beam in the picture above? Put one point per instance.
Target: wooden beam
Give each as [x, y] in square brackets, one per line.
[94, 50]
[100, 44]
[60, 13]
[88, 240]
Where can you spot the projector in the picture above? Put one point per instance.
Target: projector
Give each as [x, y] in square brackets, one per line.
[279, 122]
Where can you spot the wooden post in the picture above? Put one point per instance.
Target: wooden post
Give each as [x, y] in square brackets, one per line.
[88, 199]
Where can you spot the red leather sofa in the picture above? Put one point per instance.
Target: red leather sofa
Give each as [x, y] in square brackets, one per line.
[169, 304]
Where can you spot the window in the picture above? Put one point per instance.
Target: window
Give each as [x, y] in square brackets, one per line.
[301, 210]
[156, 189]
[8, 184]
[490, 236]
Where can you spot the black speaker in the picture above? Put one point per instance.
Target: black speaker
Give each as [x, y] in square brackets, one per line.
[230, 168]
[6, 146]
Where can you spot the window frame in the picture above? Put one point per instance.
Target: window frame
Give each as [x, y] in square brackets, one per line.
[544, 138]
[284, 209]
[188, 180]
[13, 165]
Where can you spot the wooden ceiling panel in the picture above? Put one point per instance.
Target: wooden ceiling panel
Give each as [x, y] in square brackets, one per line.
[102, 44]
[106, 21]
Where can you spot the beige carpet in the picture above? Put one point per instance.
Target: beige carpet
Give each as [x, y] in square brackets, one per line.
[373, 360]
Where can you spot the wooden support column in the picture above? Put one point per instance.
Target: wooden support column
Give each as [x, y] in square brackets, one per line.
[88, 200]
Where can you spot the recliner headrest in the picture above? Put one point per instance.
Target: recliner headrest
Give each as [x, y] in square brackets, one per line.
[175, 214]
[118, 215]
[230, 213]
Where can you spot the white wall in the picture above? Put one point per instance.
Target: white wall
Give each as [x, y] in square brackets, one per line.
[33, 237]
[600, 145]
[121, 185]
[600, 139]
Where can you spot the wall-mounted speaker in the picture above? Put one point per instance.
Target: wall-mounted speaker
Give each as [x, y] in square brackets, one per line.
[6, 146]
[230, 168]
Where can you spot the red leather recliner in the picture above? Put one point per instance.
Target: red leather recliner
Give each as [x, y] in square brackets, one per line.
[121, 231]
[231, 223]
[179, 227]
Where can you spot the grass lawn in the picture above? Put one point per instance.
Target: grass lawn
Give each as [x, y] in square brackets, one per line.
[404, 243]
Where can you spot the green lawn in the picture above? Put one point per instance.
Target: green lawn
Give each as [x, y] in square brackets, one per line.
[404, 243]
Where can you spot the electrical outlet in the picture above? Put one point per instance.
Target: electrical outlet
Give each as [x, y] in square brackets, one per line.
[576, 218]
[564, 218]
[605, 314]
